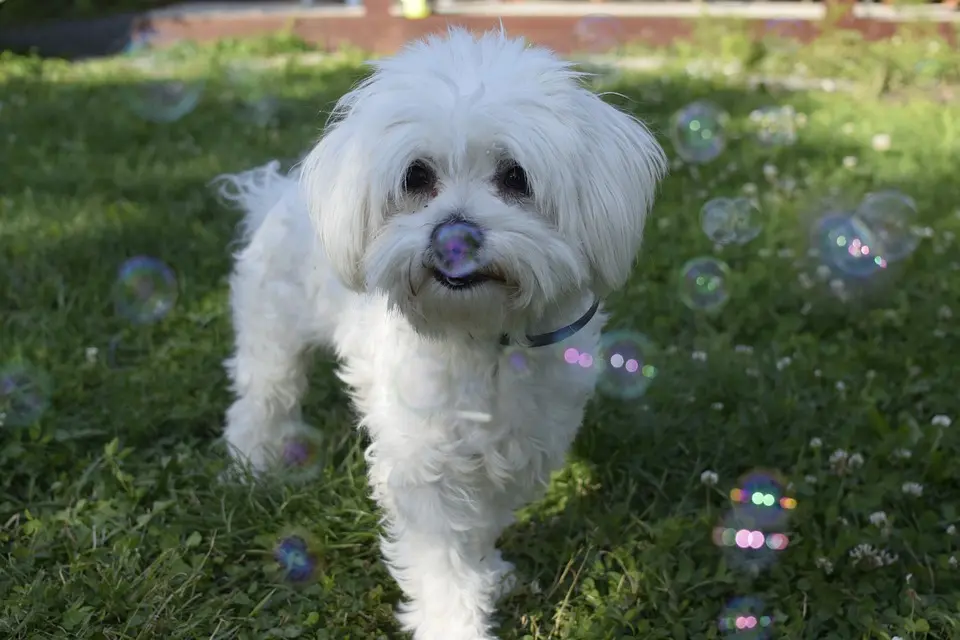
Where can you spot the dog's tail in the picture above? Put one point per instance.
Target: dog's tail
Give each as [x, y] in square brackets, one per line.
[255, 192]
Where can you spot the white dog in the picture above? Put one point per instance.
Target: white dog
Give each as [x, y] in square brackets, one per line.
[456, 148]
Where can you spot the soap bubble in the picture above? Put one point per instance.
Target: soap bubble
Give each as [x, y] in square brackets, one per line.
[747, 544]
[774, 126]
[892, 217]
[517, 361]
[762, 496]
[456, 246]
[598, 33]
[301, 454]
[745, 618]
[697, 132]
[165, 93]
[703, 284]
[253, 91]
[145, 290]
[24, 394]
[730, 220]
[626, 362]
[296, 558]
[845, 243]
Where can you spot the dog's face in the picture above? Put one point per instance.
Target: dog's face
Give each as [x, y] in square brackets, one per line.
[478, 185]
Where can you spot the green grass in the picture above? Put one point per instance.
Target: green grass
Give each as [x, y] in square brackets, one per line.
[113, 525]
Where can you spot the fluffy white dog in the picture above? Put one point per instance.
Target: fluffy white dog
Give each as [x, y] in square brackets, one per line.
[458, 150]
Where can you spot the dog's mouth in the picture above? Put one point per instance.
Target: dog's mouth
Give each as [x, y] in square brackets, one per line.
[469, 281]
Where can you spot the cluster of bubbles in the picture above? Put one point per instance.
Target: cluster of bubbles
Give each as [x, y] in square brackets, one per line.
[751, 535]
[752, 531]
[144, 291]
[169, 91]
[860, 241]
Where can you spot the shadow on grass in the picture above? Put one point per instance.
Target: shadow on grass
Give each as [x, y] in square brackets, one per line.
[100, 187]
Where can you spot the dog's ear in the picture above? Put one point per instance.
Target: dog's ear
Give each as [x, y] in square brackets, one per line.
[338, 197]
[619, 165]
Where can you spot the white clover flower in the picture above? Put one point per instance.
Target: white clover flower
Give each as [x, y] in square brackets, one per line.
[699, 356]
[717, 406]
[770, 171]
[709, 478]
[871, 374]
[816, 443]
[817, 373]
[912, 488]
[749, 189]
[881, 142]
[941, 421]
[902, 454]
[952, 530]
[849, 162]
[878, 518]
[810, 479]
[825, 565]
[855, 461]
[783, 363]
[953, 562]
[839, 456]
[841, 386]
[944, 313]
[743, 348]
[90, 354]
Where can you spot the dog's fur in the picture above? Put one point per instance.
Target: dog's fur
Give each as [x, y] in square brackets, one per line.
[336, 253]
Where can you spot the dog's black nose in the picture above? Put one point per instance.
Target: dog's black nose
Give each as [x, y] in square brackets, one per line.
[456, 245]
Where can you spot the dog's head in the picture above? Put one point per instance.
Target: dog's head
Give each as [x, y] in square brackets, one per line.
[479, 185]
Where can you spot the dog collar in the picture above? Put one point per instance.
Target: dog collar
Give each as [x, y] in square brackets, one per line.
[553, 337]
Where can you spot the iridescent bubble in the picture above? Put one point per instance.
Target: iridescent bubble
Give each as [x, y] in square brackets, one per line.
[892, 217]
[845, 243]
[145, 290]
[703, 284]
[761, 495]
[456, 246]
[252, 88]
[746, 618]
[697, 132]
[516, 360]
[598, 33]
[774, 126]
[627, 364]
[746, 543]
[301, 454]
[296, 558]
[164, 94]
[730, 220]
[24, 394]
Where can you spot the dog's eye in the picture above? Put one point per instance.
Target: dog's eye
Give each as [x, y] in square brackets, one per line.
[515, 179]
[418, 178]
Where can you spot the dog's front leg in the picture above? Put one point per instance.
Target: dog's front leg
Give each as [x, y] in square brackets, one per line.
[437, 535]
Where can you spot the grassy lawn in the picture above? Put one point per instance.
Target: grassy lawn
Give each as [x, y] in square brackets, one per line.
[113, 525]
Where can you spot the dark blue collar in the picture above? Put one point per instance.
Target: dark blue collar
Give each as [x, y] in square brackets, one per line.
[546, 339]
